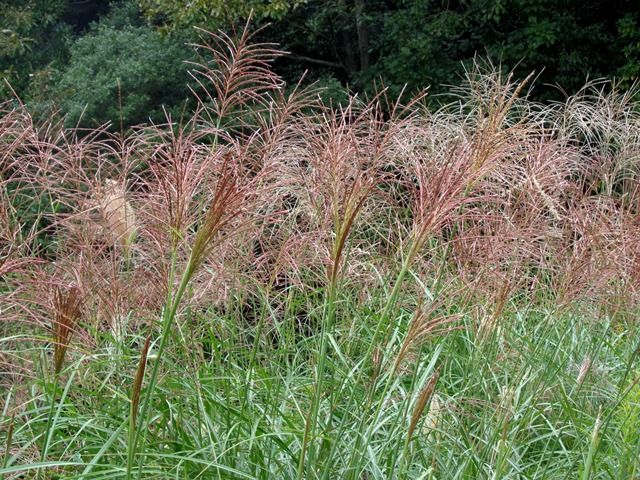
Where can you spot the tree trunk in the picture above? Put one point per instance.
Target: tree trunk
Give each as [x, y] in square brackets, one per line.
[363, 34]
[349, 61]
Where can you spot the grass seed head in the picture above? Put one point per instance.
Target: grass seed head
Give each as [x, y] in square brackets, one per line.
[425, 396]
[67, 310]
[137, 384]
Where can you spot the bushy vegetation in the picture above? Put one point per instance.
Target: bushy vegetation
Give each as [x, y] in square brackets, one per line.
[280, 288]
[123, 77]
[122, 60]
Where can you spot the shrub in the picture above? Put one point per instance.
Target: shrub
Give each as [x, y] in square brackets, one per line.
[123, 76]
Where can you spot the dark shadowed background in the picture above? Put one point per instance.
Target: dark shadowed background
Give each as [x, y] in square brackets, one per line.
[124, 61]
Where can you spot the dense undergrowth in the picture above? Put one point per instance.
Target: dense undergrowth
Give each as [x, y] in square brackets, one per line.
[276, 288]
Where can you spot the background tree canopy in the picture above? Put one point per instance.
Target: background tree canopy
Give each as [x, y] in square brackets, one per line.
[122, 61]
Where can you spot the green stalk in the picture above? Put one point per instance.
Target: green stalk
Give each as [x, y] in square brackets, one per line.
[404, 465]
[7, 446]
[387, 386]
[342, 228]
[256, 344]
[132, 442]
[312, 418]
[135, 399]
[593, 447]
[167, 322]
[391, 302]
[51, 418]
[384, 316]
[48, 430]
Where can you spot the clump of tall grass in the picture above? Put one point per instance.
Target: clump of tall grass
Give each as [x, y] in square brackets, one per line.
[280, 288]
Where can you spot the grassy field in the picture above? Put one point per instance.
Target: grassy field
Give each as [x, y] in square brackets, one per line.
[279, 288]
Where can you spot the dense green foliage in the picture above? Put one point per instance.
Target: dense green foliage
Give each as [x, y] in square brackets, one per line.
[185, 13]
[53, 55]
[427, 42]
[33, 39]
[123, 75]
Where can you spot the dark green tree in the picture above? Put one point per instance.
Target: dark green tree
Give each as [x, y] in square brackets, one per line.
[629, 32]
[124, 72]
[429, 42]
[33, 42]
[213, 14]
